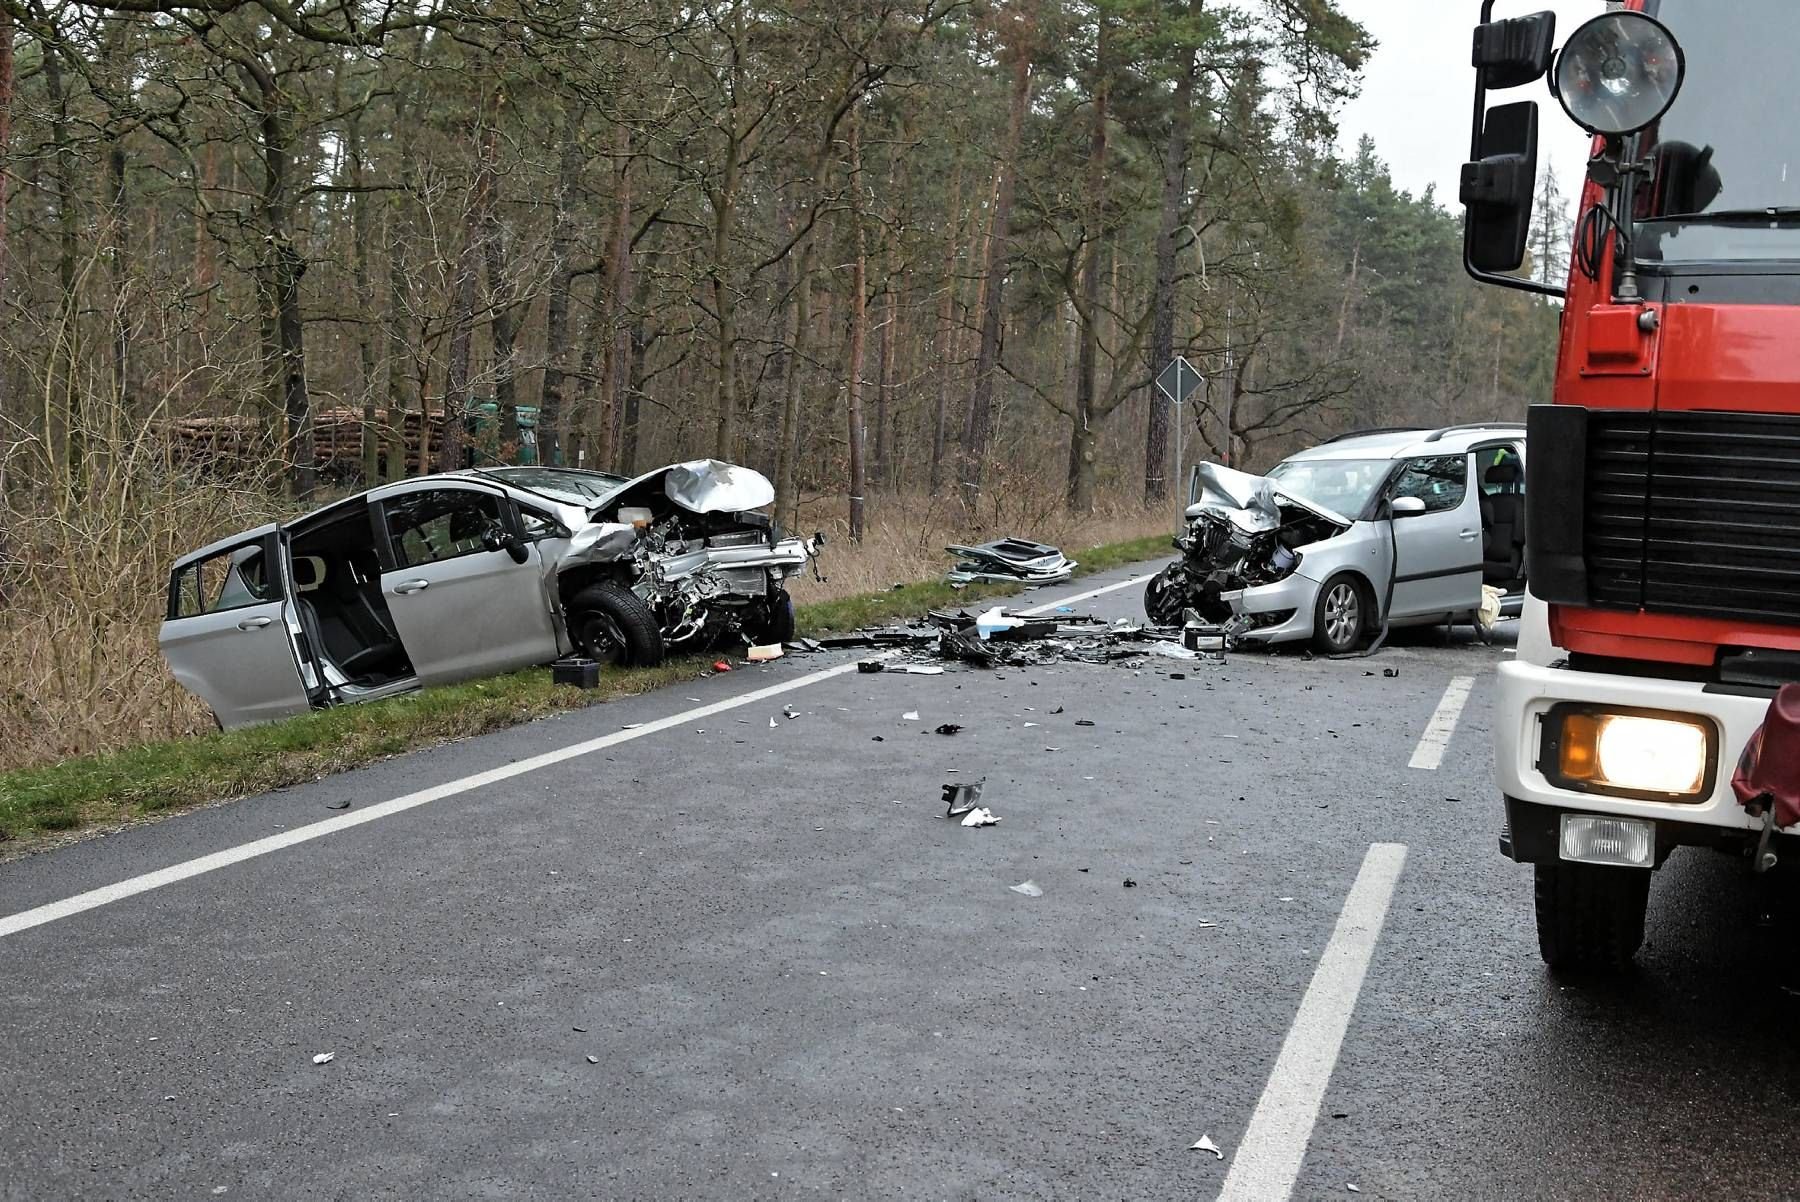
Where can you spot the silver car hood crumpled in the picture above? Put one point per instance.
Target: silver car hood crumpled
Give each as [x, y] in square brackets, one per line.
[1251, 502]
[705, 486]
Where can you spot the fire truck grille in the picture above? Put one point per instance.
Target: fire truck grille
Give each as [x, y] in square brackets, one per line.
[1695, 513]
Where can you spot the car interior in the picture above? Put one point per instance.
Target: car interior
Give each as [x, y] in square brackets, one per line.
[1503, 521]
[337, 581]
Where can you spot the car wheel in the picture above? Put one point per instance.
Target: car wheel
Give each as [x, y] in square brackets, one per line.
[1340, 615]
[1590, 917]
[611, 625]
[778, 623]
[1162, 601]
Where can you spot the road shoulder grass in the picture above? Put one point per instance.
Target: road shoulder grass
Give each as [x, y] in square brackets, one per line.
[37, 805]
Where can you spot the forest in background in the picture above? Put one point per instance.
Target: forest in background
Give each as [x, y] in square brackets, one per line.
[916, 260]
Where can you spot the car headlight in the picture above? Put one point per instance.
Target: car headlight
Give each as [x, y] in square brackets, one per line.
[1619, 73]
[1649, 754]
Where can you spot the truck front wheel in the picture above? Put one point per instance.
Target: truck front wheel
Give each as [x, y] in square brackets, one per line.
[1590, 917]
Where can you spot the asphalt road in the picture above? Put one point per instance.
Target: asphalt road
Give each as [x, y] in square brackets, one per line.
[745, 956]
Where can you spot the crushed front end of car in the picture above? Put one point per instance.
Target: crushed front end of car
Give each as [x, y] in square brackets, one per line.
[698, 552]
[1242, 536]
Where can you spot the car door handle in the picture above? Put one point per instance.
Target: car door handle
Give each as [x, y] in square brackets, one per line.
[412, 586]
[254, 623]
[1469, 535]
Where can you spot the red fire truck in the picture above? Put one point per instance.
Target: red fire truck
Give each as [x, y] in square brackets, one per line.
[1663, 493]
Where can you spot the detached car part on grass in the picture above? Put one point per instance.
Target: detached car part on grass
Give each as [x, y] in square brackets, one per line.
[472, 573]
[1010, 561]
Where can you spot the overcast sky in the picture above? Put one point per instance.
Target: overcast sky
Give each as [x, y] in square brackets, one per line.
[1418, 90]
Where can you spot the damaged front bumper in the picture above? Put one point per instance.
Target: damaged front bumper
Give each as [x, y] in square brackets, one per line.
[1275, 613]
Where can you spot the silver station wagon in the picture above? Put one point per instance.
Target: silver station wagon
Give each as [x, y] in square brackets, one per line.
[472, 573]
[1370, 530]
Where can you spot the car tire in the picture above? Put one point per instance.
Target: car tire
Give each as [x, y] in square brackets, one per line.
[611, 625]
[1341, 615]
[1161, 604]
[779, 623]
[1590, 917]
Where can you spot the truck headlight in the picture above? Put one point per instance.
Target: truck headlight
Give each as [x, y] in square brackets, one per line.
[1649, 754]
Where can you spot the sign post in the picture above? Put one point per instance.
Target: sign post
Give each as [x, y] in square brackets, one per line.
[1178, 381]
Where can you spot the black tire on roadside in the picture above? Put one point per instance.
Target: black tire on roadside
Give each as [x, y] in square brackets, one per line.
[778, 625]
[611, 624]
[1341, 615]
[1590, 917]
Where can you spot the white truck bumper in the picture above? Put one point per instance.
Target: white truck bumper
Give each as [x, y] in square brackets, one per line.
[1527, 693]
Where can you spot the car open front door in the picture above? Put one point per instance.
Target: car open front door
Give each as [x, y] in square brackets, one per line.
[226, 636]
[1437, 566]
[462, 605]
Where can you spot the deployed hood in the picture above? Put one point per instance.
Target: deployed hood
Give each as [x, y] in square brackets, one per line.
[703, 486]
[1251, 502]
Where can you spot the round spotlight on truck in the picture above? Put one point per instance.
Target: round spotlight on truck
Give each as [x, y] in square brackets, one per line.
[1619, 73]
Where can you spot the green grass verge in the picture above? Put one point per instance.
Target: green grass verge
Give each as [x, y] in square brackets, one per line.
[179, 774]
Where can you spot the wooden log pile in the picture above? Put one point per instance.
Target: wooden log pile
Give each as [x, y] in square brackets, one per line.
[239, 442]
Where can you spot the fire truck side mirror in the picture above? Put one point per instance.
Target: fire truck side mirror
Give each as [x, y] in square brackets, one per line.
[1511, 54]
[1498, 188]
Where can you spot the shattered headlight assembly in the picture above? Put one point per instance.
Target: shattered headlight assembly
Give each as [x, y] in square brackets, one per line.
[1649, 755]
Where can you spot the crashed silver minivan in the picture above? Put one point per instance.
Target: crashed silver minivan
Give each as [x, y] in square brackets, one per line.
[472, 573]
[1386, 528]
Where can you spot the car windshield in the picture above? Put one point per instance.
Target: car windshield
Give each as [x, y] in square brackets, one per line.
[1343, 486]
[1725, 179]
[571, 485]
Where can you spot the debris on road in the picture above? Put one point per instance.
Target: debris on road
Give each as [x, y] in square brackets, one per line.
[1130, 884]
[948, 728]
[869, 667]
[338, 805]
[721, 666]
[995, 638]
[324, 1057]
[1009, 561]
[1205, 1144]
[789, 712]
[961, 798]
[910, 716]
[1084, 722]
[1028, 888]
[980, 816]
[763, 654]
[593, 1060]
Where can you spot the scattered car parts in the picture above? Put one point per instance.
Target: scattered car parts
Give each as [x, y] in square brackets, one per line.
[1010, 561]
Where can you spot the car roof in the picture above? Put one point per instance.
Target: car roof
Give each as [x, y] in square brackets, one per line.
[1407, 444]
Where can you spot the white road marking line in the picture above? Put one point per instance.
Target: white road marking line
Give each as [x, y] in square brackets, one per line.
[1430, 751]
[1268, 1160]
[1098, 592]
[24, 920]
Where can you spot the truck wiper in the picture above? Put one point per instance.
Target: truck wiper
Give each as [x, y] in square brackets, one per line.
[1776, 215]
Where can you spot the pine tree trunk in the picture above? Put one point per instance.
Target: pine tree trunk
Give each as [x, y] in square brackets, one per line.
[977, 426]
[365, 303]
[609, 417]
[1162, 333]
[562, 282]
[946, 338]
[1081, 475]
[859, 332]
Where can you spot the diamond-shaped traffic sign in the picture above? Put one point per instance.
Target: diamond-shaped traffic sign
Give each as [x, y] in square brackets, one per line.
[1178, 380]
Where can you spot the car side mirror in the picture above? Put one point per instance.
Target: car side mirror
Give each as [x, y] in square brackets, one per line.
[496, 539]
[1498, 188]
[1406, 507]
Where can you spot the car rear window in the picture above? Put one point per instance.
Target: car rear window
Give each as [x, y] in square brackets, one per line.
[232, 579]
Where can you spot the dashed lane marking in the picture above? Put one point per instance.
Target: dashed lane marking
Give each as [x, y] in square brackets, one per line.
[1430, 751]
[1268, 1160]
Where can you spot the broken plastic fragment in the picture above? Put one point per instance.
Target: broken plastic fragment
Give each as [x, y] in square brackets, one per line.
[920, 670]
[324, 1057]
[961, 798]
[1205, 1144]
[910, 716]
[948, 728]
[1083, 722]
[1028, 888]
[721, 666]
[763, 654]
[871, 666]
[773, 724]
[980, 816]
[789, 712]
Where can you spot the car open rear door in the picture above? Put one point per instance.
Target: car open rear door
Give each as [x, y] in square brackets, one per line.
[461, 609]
[226, 636]
[1437, 567]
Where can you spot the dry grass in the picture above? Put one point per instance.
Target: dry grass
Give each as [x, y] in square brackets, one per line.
[86, 585]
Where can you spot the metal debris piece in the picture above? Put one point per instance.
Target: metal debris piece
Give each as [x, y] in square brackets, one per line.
[919, 669]
[593, 1060]
[1028, 888]
[1083, 722]
[960, 798]
[324, 1057]
[948, 728]
[871, 666]
[1130, 884]
[1205, 1144]
[1010, 561]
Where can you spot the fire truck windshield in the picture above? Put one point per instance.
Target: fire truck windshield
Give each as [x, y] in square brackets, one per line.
[1725, 157]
